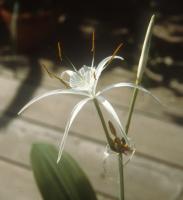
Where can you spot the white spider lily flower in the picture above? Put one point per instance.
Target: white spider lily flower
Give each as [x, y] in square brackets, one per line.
[84, 82]
[86, 78]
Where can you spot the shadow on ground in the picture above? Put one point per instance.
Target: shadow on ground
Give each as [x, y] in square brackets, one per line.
[24, 93]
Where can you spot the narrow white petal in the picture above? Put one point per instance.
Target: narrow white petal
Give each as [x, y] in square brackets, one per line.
[109, 108]
[53, 92]
[74, 113]
[117, 85]
[102, 65]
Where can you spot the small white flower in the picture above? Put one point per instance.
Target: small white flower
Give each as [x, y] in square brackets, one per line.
[84, 82]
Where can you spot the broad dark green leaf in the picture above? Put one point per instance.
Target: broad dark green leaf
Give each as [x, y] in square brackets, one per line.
[63, 181]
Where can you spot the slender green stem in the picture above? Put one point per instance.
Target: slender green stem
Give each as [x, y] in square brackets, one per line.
[141, 67]
[103, 122]
[132, 105]
[120, 155]
[121, 176]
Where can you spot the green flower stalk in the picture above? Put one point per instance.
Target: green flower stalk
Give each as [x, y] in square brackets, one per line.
[141, 68]
[140, 72]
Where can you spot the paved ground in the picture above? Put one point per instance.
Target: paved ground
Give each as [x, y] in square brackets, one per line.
[156, 171]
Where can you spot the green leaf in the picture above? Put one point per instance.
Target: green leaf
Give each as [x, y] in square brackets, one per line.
[63, 181]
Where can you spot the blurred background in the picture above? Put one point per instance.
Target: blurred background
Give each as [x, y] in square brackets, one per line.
[29, 33]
